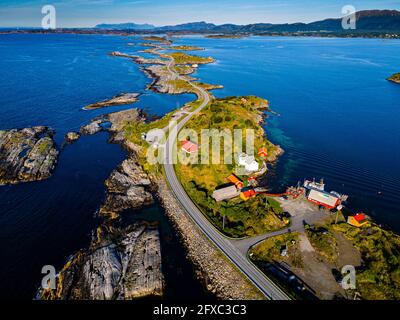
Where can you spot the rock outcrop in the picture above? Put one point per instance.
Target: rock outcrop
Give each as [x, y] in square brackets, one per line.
[92, 128]
[121, 99]
[138, 59]
[71, 137]
[121, 264]
[166, 82]
[27, 155]
[127, 188]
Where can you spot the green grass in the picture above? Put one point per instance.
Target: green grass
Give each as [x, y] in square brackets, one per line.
[183, 69]
[183, 58]
[270, 249]
[323, 242]
[186, 48]
[44, 146]
[242, 218]
[181, 85]
[379, 277]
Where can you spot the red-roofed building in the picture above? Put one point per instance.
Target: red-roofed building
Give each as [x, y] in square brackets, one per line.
[358, 220]
[235, 180]
[189, 147]
[263, 152]
[247, 194]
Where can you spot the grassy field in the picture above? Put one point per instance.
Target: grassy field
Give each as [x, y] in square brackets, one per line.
[186, 48]
[183, 70]
[181, 85]
[270, 250]
[249, 218]
[324, 242]
[183, 58]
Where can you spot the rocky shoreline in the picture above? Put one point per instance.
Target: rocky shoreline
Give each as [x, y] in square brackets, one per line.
[27, 155]
[120, 264]
[127, 188]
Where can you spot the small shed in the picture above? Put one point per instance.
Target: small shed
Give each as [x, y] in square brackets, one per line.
[358, 220]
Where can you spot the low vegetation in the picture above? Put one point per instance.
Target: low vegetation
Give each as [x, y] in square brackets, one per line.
[183, 70]
[269, 251]
[186, 48]
[395, 78]
[183, 58]
[181, 86]
[44, 146]
[157, 39]
[324, 242]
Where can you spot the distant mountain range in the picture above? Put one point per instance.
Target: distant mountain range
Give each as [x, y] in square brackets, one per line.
[125, 26]
[367, 21]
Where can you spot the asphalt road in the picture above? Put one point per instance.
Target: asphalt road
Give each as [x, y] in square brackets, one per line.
[265, 285]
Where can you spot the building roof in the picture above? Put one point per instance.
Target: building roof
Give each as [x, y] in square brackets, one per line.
[189, 146]
[246, 159]
[248, 162]
[360, 217]
[235, 180]
[249, 193]
[263, 152]
[225, 193]
[323, 197]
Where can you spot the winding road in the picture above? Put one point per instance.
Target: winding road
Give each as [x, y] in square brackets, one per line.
[232, 252]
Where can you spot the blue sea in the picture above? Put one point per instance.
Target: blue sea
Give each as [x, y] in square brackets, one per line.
[338, 119]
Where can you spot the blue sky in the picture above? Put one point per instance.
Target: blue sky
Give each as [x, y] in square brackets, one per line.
[87, 13]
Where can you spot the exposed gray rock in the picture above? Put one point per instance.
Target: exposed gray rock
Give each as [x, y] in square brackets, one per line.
[122, 264]
[120, 118]
[26, 155]
[126, 188]
[166, 82]
[92, 128]
[123, 98]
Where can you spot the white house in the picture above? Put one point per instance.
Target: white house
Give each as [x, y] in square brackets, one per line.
[249, 162]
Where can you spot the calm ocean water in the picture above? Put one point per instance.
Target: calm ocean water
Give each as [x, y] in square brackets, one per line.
[339, 119]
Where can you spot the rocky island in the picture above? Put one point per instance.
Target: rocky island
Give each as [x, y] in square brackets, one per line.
[395, 78]
[27, 155]
[121, 99]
